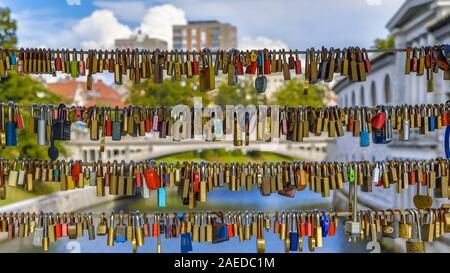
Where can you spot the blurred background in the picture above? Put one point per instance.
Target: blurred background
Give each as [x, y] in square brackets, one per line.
[193, 25]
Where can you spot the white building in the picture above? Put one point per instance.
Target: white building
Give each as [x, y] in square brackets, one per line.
[416, 23]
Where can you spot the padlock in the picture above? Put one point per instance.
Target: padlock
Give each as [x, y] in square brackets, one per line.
[61, 125]
[261, 80]
[117, 125]
[152, 179]
[11, 127]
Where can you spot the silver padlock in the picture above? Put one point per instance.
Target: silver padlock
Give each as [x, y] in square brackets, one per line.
[42, 127]
[38, 232]
[353, 227]
[405, 124]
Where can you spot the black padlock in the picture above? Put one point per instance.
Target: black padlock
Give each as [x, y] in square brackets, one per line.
[61, 125]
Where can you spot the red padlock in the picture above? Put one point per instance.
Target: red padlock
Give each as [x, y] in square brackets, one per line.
[151, 179]
[332, 227]
[367, 64]
[380, 182]
[76, 170]
[350, 124]
[298, 64]
[58, 228]
[81, 67]
[266, 62]
[424, 179]
[239, 65]
[414, 61]
[148, 122]
[444, 117]
[251, 69]
[58, 63]
[196, 183]
[19, 119]
[194, 64]
[108, 124]
[302, 229]
[378, 120]
[64, 226]
[412, 177]
[155, 227]
[230, 230]
[308, 227]
[138, 178]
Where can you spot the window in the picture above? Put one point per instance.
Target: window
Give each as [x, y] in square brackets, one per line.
[387, 89]
[373, 93]
[92, 153]
[363, 101]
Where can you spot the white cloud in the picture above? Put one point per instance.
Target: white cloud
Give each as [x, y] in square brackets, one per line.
[248, 42]
[100, 29]
[127, 10]
[159, 20]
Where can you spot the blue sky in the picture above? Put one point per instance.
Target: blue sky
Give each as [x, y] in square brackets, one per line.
[264, 23]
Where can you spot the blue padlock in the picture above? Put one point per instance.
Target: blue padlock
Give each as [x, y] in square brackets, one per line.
[364, 138]
[56, 174]
[324, 223]
[293, 233]
[447, 50]
[431, 123]
[13, 59]
[161, 189]
[259, 60]
[186, 242]
[378, 136]
[11, 127]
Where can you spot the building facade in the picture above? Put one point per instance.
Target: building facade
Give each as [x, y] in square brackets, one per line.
[197, 35]
[416, 23]
[141, 41]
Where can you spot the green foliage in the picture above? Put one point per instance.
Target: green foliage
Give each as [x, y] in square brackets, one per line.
[220, 155]
[389, 42]
[292, 94]
[243, 93]
[170, 92]
[8, 28]
[23, 90]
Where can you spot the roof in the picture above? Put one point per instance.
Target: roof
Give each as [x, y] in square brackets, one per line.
[100, 93]
[203, 22]
[409, 9]
[439, 23]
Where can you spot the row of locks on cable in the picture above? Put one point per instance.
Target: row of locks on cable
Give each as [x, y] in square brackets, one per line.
[214, 123]
[416, 226]
[135, 64]
[431, 59]
[195, 179]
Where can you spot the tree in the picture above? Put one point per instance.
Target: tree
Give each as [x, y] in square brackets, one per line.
[169, 93]
[22, 90]
[243, 93]
[291, 94]
[8, 28]
[389, 42]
